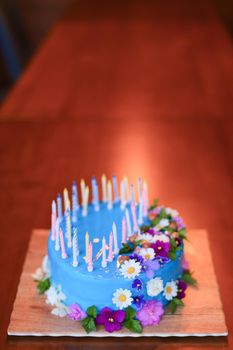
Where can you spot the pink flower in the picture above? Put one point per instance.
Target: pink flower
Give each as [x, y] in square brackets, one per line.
[151, 313]
[184, 264]
[76, 313]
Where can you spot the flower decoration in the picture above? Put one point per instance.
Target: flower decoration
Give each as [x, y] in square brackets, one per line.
[162, 224]
[161, 248]
[170, 290]
[147, 253]
[133, 238]
[172, 212]
[137, 283]
[112, 320]
[150, 313]
[130, 268]
[76, 313]
[136, 257]
[184, 264]
[149, 267]
[179, 222]
[122, 298]
[154, 286]
[182, 286]
[138, 301]
[162, 259]
[54, 295]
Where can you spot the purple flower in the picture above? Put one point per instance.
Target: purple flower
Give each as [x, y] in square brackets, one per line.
[151, 313]
[161, 248]
[182, 286]
[76, 313]
[162, 259]
[111, 320]
[136, 257]
[138, 301]
[179, 222]
[137, 283]
[149, 267]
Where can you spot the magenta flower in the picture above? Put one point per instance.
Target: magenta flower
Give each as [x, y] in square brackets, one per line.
[182, 286]
[111, 320]
[161, 248]
[149, 267]
[151, 313]
[179, 222]
[76, 313]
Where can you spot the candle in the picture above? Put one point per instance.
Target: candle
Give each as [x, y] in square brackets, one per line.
[96, 204]
[140, 213]
[132, 193]
[115, 189]
[83, 187]
[75, 205]
[139, 188]
[122, 186]
[135, 221]
[53, 220]
[59, 206]
[115, 242]
[93, 183]
[63, 249]
[104, 261]
[57, 242]
[110, 254]
[127, 195]
[75, 249]
[128, 223]
[109, 195]
[124, 230]
[145, 199]
[66, 199]
[104, 187]
[68, 228]
[86, 245]
[85, 201]
[90, 263]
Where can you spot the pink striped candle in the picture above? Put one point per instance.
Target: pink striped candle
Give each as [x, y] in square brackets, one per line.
[110, 254]
[135, 221]
[63, 249]
[124, 230]
[90, 262]
[53, 220]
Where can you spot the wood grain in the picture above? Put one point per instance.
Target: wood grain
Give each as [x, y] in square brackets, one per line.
[201, 316]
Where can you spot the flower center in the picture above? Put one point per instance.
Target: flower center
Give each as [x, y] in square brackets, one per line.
[147, 256]
[138, 285]
[131, 270]
[111, 319]
[159, 247]
[169, 289]
[122, 297]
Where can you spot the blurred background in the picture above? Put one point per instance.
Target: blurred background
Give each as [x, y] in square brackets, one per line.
[24, 24]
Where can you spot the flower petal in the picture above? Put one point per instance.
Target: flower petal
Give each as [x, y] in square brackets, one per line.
[119, 315]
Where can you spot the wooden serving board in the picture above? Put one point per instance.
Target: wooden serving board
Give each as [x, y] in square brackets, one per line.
[202, 314]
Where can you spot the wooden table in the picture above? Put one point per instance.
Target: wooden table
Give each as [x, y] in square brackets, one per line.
[130, 87]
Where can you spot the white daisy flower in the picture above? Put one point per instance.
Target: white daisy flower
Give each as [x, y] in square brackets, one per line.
[38, 275]
[170, 290]
[54, 296]
[163, 223]
[147, 253]
[154, 286]
[146, 237]
[163, 238]
[130, 268]
[122, 298]
[171, 212]
[60, 310]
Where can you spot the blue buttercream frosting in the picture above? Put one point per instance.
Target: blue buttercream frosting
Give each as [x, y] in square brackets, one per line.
[97, 287]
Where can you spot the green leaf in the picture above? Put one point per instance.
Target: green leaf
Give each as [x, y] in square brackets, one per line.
[155, 204]
[126, 249]
[130, 313]
[155, 221]
[188, 278]
[172, 254]
[174, 303]
[43, 285]
[136, 243]
[88, 324]
[133, 326]
[144, 228]
[182, 233]
[92, 311]
[163, 214]
[173, 243]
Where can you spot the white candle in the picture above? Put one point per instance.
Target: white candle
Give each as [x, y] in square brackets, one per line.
[93, 183]
[127, 195]
[132, 193]
[104, 260]
[139, 188]
[140, 214]
[66, 199]
[85, 201]
[86, 245]
[59, 206]
[104, 187]
[110, 254]
[109, 195]
[124, 230]
[134, 215]
[90, 263]
[83, 187]
[145, 199]
[128, 223]
[115, 189]
[68, 228]
[75, 249]
[122, 195]
[63, 249]
[75, 205]
[53, 221]
[115, 241]
[57, 242]
[96, 204]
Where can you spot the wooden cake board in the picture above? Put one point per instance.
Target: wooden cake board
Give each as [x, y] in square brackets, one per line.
[202, 314]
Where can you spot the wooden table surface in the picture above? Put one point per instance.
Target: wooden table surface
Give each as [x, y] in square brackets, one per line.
[125, 87]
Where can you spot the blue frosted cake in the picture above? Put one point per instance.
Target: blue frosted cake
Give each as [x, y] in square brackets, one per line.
[115, 262]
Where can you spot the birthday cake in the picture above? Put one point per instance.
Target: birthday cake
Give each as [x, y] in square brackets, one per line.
[116, 262]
